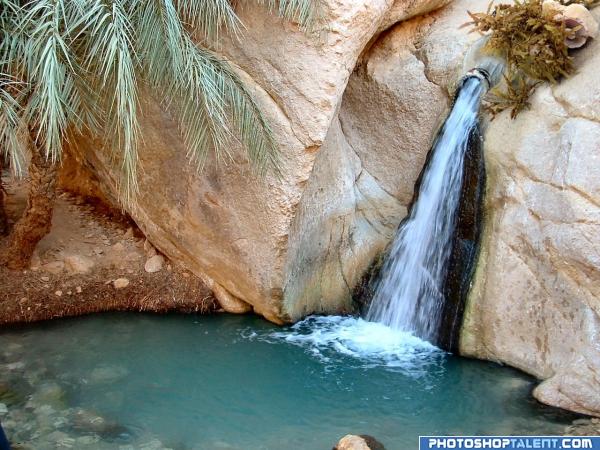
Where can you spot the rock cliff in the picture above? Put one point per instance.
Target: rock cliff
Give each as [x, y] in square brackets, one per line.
[244, 235]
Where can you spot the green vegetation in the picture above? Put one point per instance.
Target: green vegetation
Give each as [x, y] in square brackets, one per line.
[70, 67]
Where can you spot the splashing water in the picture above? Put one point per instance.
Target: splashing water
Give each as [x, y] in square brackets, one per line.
[368, 344]
[409, 294]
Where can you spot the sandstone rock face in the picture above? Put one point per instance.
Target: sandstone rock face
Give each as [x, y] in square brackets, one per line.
[536, 301]
[244, 233]
[364, 174]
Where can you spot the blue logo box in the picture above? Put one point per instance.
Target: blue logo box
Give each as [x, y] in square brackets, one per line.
[508, 442]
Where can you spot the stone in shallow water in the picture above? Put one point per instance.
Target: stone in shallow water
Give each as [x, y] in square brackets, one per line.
[14, 347]
[50, 394]
[16, 365]
[86, 421]
[44, 410]
[153, 444]
[14, 392]
[61, 439]
[88, 440]
[108, 374]
[362, 442]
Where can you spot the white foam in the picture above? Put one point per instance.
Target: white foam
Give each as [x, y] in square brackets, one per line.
[370, 344]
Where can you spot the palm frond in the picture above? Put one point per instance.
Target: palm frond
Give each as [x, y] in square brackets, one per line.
[251, 125]
[12, 145]
[79, 65]
[12, 39]
[209, 16]
[304, 12]
[49, 68]
[108, 52]
[211, 96]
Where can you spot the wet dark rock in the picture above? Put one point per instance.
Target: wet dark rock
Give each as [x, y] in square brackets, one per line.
[84, 421]
[14, 392]
[465, 244]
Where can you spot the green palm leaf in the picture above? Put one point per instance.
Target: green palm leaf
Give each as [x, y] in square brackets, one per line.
[12, 144]
[211, 98]
[107, 51]
[79, 66]
[208, 16]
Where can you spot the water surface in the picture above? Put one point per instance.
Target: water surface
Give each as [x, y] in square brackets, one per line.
[129, 381]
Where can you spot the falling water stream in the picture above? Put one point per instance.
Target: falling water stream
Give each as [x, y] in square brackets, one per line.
[409, 295]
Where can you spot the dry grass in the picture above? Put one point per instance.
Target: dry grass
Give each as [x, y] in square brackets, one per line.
[80, 224]
[25, 297]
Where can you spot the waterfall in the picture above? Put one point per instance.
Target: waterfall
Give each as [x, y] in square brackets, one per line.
[409, 295]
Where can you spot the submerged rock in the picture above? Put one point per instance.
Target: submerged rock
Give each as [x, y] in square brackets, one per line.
[108, 374]
[85, 421]
[14, 392]
[51, 394]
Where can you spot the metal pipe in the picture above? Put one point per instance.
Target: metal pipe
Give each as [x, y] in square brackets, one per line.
[477, 72]
[480, 63]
